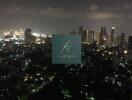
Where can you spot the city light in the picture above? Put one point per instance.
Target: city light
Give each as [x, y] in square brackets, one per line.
[25, 60]
[113, 27]
[125, 51]
[36, 34]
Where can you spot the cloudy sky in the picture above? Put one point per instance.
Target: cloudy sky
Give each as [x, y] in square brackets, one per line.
[63, 16]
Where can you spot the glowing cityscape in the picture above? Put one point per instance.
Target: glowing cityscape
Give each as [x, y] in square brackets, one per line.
[31, 58]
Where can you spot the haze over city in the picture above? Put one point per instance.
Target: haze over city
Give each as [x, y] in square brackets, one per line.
[63, 16]
[65, 50]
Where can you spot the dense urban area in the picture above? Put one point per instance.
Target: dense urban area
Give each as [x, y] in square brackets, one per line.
[27, 72]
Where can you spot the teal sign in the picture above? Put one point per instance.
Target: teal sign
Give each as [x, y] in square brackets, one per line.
[66, 49]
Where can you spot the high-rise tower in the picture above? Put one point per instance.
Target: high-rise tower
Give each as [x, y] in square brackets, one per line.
[102, 35]
[111, 37]
[27, 35]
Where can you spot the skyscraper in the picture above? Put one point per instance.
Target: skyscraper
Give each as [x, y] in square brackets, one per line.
[111, 37]
[82, 33]
[102, 34]
[122, 40]
[85, 36]
[27, 34]
[113, 31]
[90, 37]
[29, 38]
[116, 40]
[97, 36]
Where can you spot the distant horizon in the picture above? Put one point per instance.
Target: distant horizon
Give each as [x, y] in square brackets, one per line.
[108, 30]
[63, 16]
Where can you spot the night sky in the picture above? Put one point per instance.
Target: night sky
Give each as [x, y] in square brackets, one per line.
[63, 16]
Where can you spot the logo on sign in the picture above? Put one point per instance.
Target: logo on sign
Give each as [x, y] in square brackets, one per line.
[66, 49]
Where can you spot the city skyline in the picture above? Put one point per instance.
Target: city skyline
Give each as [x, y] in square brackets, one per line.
[64, 16]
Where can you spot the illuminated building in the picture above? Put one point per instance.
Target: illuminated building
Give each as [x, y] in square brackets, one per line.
[97, 36]
[87, 36]
[90, 37]
[106, 41]
[116, 40]
[103, 34]
[112, 31]
[12, 35]
[111, 37]
[27, 34]
[8, 35]
[29, 38]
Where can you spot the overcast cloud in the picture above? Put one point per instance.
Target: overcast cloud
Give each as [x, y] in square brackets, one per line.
[63, 16]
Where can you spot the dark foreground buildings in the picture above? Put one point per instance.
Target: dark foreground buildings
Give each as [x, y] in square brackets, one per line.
[26, 73]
